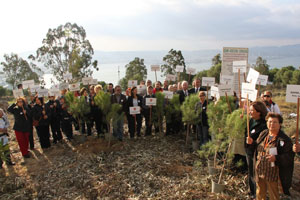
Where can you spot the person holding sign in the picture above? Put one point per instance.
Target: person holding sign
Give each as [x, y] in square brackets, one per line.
[157, 87]
[202, 126]
[4, 124]
[134, 100]
[257, 124]
[274, 107]
[273, 159]
[85, 121]
[66, 119]
[22, 125]
[147, 110]
[296, 148]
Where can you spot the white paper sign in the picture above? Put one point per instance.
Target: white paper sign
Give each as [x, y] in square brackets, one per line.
[248, 88]
[34, 88]
[150, 101]
[214, 92]
[292, 93]
[273, 151]
[42, 92]
[179, 68]
[208, 81]
[168, 94]
[225, 89]
[54, 92]
[252, 76]
[18, 93]
[74, 87]
[262, 80]
[27, 84]
[170, 77]
[94, 82]
[226, 79]
[132, 83]
[63, 86]
[87, 80]
[191, 71]
[55, 87]
[242, 65]
[141, 89]
[4, 139]
[155, 67]
[67, 76]
[134, 110]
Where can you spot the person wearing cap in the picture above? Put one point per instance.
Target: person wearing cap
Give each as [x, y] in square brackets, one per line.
[22, 125]
[53, 106]
[274, 107]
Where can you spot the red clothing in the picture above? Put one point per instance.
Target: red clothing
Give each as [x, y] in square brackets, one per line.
[23, 140]
[157, 90]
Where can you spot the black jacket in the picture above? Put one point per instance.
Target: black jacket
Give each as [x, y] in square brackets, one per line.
[182, 95]
[203, 115]
[22, 123]
[145, 108]
[122, 102]
[193, 90]
[38, 115]
[130, 102]
[54, 110]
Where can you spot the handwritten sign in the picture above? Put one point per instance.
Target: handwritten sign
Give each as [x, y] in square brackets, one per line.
[168, 94]
[225, 89]
[42, 92]
[214, 92]
[170, 77]
[18, 93]
[27, 84]
[191, 71]
[242, 65]
[74, 87]
[226, 79]
[34, 88]
[132, 83]
[94, 82]
[87, 80]
[248, 88]
[150, 101]
[155, 67]
[54, 92]
[134, 110]
[67, 76]
[141, 89]
[179, 68]
[63, 86]
[252, 76]
[262, 80]
[210, 81]
[292, 93]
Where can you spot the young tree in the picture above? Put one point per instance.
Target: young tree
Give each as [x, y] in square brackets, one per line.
[135, 70]
[17, 70]
[172, 59]
[66, 49]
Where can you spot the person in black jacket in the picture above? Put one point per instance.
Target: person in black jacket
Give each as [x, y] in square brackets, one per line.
[197, 87]
[22, 125]
[202, 126]
[54, 107]
[184, 92]
[119, 98]
[86, 121]
[96, 114]
[42, 114]
[66, 119]
[30, 106]
[146, 110]
[257, 124]
[134, 100]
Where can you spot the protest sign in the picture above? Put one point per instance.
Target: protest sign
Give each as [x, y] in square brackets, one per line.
[150, 101]
[155, 68]
[168, 94]
[63, 86]
[27, 84]
[87, 80]
[18, 93]
[179, 68]
[191, 71]
[170, 77]
[248, 88]
[262, 80]
[252, 76]
[132, 83]
[226, 79]
[239, 65]
[74, 87]
[208, 81]
[134, 110]
[42, 92]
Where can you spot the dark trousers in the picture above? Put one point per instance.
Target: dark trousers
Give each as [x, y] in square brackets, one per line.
[148, 123]
[44, 135]
[31, 139]
[67, 129]
[131, 125]
[55, 129]
[87, 125]
[202, 133]
[251, 178]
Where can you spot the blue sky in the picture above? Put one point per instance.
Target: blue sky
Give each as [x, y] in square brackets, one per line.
[132, 25]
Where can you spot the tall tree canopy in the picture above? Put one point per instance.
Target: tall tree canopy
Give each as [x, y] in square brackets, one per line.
[216, 60]
[172, 59]
[66, 49]
[135, 70]
[17, 69]
[261, 66]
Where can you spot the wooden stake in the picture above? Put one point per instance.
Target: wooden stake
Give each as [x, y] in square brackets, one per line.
[155, 76]
[207, 93]
[150, 116]
[134, 124]
[227, 100]
[258, 96]
[240, 92]
[187, 134]
[297, 125]
[189, 76]
[245, 77]
[248, 128]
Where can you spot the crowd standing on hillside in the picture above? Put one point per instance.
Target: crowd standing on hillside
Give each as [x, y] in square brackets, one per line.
[265, 170]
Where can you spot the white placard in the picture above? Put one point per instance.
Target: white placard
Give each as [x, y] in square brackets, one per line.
[135, 110]
[262, 80]
[4, 139]
[179, 68]
[63, 86]
[132, 83]
[27, 84]
[252, 76]
[170, 77]
[55, 87]
[141, 89]
[214, 92]
[226, 79]
[292, 93]
[18, 93]
[42, 92]
[54, 92]
[94, 82]
[208, 81]
[242, 65]
[248, 88]
[168, 94]
[87, 80]
[74, 87]
[150, 101]
[191, 71]
[67, 76]
[34, 88]
[155, 67]
[273, 151]
[225, 89]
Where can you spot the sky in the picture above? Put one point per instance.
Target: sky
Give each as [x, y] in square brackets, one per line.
[135, 25]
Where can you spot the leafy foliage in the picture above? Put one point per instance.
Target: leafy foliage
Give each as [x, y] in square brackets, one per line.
[17, 70]
[3, 150]
[216, 60]
[214, 71]
[5, 92]
[261, 66]
[78, 107]
[66, 49]
[158, 113]
[235, 125]
[189, 114]
[173, 108]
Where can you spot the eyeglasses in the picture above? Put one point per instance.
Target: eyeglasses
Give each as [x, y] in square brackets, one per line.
[267, 96]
